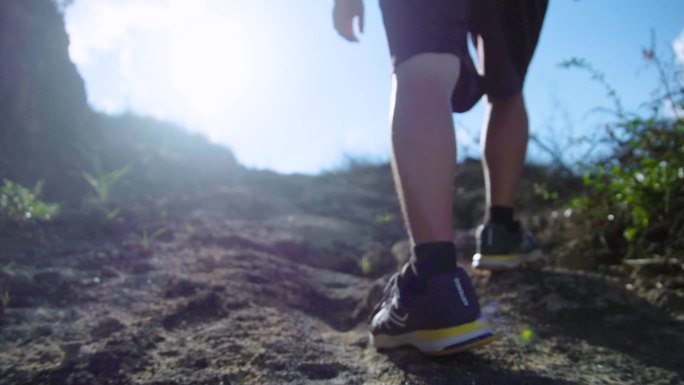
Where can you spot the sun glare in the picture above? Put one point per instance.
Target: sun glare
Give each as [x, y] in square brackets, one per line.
[212, 63]
[235, 71]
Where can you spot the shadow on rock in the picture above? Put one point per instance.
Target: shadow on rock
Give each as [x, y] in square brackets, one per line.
[464, 368]
[580, 306]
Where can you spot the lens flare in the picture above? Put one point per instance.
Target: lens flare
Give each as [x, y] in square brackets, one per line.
[526, 334]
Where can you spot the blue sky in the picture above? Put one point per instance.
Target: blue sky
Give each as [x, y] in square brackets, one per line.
[272, 80]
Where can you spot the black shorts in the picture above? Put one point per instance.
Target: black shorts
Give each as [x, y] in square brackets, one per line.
[509, 30]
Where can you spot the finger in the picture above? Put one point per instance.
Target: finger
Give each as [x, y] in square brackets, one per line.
[346, 30]
[343, 26]
[361, 21]
[350, 35]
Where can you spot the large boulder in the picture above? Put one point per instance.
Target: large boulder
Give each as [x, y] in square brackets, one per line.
[44, 114]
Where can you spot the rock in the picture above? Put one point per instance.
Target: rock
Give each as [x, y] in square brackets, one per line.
[195, 360]
[43, 105]
[402, 252]
[361, 342]
[107, 327]
[320, 371]
[91, 261]
[71, 350]
[338, 299]
[109, 272]
[43, 331]
[141, 267]
[55, 286]
[182, 288]
[375, 292]
[205, 305]
[22, 288]
[48, 278]
[377, 260]
[105, 363]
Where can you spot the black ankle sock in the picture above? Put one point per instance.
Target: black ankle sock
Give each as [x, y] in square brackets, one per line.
[500, 214]
[428, 259]
[434, 257]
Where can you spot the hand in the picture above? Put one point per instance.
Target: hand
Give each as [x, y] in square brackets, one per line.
[344, 13]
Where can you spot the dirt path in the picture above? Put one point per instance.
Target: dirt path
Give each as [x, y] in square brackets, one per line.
[261, 285]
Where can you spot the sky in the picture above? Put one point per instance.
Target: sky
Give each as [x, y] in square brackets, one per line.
[273, 81]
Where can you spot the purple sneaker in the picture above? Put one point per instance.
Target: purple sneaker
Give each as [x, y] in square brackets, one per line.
[442, 318]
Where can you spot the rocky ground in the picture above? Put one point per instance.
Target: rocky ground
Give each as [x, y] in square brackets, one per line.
[270, 280]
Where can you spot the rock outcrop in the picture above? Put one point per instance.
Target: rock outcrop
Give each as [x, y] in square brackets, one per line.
[43, 108]
[49, 133]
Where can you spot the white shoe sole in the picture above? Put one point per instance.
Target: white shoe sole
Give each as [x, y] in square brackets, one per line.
[496, 262]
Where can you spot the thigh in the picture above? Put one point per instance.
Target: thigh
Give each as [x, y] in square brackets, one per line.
[435, 71]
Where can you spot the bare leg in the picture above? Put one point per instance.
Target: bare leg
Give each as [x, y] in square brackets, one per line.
[424, 164]
[424, 144]
[504, 145]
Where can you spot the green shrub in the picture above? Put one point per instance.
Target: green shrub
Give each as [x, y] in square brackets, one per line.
[102, 182]
[19, 205]
[633, 206]
[639, 193]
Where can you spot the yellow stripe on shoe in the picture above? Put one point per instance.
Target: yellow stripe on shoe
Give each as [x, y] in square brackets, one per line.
[465, 347]
[496, 261]
[437, 334]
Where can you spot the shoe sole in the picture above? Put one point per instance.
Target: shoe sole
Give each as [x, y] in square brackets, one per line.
[440, 342]
[496, 262]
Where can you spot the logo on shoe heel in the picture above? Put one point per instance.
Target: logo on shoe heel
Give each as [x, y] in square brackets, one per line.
[461, 292]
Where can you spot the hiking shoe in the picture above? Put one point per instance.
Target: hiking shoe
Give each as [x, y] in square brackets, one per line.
[442, 318]
[499, 247]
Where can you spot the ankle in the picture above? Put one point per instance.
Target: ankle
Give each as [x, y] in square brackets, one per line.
[434, 257]
[427, 260]
[502, 215]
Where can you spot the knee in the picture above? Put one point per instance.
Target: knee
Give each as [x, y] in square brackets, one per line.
[428, 74]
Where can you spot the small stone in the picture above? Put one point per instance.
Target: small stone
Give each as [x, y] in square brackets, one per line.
[71, 351]
[106, 327]
[22, 288]
[109, 272]
[141, 267]
[361, 342]
[201, 363]
[43, 331]
[51, 278]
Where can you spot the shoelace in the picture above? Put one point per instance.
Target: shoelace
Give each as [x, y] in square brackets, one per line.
[386, 294]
